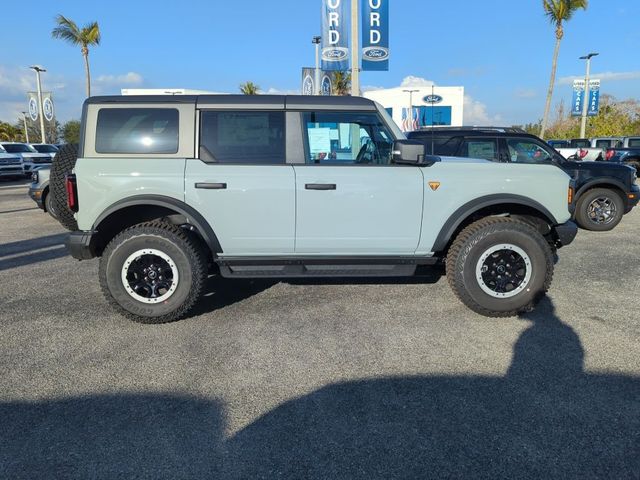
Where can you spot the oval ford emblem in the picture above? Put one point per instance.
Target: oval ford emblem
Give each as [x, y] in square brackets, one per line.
[432, 99]
[335, 54]
[375, 54]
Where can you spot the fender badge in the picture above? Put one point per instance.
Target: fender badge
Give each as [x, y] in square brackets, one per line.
[434, 185]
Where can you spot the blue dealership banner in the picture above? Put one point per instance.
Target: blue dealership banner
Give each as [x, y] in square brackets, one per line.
[577, 101]
[335, 38]
[375, 35]
[594, 98]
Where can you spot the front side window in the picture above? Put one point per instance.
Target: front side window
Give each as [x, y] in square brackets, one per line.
[137, 130]
[526, 151]
[347, 138]
[244, 137]
[486, 148]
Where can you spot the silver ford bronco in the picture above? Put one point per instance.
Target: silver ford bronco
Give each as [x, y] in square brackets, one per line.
[169, 190]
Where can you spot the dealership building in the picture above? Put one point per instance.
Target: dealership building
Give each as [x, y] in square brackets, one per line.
[429, 105]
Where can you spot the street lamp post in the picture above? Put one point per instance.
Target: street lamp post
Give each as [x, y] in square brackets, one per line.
[39, 69]
[585, 101]
[410, 92]
[26, 130]
[316, 86]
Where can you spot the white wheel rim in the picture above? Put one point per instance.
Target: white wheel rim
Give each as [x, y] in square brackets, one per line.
[155, 282]
[495, 277]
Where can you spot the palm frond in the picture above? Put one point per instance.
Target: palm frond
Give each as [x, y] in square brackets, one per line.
[66, 29]
[91, 34]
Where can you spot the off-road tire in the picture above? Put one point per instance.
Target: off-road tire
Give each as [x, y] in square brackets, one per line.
[183, 249]
[467, 250]
[48, 205]
[582, 214]
[62, 164]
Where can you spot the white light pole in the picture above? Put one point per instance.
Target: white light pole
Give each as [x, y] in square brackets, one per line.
[410, 92]
[355, 49]
[39, 69]
[316, 86]
[585, 102]
[26, 130]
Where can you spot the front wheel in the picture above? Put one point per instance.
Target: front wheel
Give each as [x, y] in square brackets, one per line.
[500, 267]
[599, 210]
[153, 272]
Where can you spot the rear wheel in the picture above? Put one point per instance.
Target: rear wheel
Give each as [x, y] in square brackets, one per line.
[153, 272]
[48, 205]
[599, 210]
[499, 267]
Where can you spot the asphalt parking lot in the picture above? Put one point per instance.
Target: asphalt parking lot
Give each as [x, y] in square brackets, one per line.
[394, 379]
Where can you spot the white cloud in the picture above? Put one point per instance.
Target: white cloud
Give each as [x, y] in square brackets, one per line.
[605, 77]
[127, 79]
[277, 91]
[413, 81]
[475, 113]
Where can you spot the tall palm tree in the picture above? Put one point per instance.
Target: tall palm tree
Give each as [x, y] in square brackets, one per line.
[341, 83]
[249, 88]
[558, 12]
[87, 36]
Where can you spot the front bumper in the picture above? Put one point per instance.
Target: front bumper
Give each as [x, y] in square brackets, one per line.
[565, 233]
[36, 196]
[80, 245]
[633, 197]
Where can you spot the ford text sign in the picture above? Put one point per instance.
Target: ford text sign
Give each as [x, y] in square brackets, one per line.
[375, 35]
[432, 99]
[335, 41]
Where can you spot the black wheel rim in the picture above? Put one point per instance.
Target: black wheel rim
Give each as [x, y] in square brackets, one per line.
[150, 276]
[504, 271]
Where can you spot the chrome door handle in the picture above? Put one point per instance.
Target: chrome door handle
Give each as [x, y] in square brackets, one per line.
[211, 186]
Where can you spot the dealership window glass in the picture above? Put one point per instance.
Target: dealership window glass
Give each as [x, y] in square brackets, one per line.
[137, 130]
[347, 138]
[526, 151]
[248, 137]
[481, 148]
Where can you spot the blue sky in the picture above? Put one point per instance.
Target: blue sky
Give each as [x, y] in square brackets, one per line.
[499, 50]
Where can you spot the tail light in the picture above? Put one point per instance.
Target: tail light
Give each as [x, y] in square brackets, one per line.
[583, 153]
[72, 192]
[610, 153]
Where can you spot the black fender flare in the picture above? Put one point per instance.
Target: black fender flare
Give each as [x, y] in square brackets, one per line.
[192, 215]
[601, 183]
[469, 208]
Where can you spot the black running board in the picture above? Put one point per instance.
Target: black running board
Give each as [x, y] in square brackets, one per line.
[291, 267]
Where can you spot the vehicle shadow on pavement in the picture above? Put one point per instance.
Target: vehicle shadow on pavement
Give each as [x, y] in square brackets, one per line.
[33, 250]
[545, 419]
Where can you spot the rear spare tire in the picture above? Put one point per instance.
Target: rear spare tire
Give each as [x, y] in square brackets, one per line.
[500, 267]
[62, 165]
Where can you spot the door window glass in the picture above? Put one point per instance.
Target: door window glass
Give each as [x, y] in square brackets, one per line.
[485, 148]
[634, 142]
[137, 130]
[523, 150]
[245, 137]
[347, 138]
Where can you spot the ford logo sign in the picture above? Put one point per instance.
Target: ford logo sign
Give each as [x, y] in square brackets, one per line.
[375, 54]
[336, 54]
[432, 99]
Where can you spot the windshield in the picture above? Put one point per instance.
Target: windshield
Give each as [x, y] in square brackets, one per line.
[17, 148]
[390, 123]
[45, 148]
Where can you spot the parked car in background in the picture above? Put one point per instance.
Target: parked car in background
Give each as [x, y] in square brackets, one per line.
[627, 156]
[604, 191]
[10, 165]
[630, 142]
[581, 149]
[606, 142]
[39, 190]
[49, 149]
[29, 156]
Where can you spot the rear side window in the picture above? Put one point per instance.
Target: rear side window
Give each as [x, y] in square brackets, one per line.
[137, 130]
[245, 137]
[481, 148]
[634, 142]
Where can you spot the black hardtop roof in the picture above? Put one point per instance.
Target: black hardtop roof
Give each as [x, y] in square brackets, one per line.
[470, 131]
[248, 101]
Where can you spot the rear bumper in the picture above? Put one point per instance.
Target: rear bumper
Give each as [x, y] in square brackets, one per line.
[566, 233]
[633, 197]
[80, 245]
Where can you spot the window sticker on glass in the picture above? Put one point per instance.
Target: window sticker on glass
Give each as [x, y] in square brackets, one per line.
[234, 129]
[319, 141]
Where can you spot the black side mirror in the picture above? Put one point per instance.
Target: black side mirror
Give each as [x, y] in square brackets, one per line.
[409, 152]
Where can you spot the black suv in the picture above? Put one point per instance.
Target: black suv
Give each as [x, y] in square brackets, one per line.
[604, 192]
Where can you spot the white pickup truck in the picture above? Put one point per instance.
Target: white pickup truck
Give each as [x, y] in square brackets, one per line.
[579, 149]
